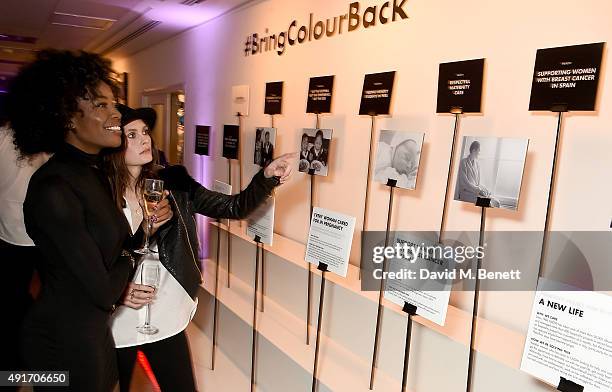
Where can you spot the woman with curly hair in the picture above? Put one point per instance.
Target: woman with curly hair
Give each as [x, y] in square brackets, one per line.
[63, 103]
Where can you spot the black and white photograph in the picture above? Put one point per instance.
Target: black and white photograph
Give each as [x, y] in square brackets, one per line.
[265, 139]
[491, 168]
[314, 151]
[397, 157]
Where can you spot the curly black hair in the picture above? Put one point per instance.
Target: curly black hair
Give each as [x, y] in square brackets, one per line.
[42, 98]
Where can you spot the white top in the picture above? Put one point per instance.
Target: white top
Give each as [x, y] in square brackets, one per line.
[171, 310]
[14, 179]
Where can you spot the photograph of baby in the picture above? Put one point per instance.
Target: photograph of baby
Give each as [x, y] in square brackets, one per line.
[314, 151]
[491, 167]
[397, 157]
[265, 138]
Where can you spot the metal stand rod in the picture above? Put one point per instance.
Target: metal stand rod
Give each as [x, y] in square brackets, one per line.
[449, 175]
[379, 312]
[317, 344]
[551, 191]
[254, 324]
[229, 236]
[367, 191]
[407, 353]
[239, 151]
[216, 303]
[263, 277]
[239, 158]
[309, 286]
[475, 305]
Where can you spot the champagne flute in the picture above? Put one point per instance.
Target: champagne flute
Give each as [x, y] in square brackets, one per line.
[153, 193]
[149, 276]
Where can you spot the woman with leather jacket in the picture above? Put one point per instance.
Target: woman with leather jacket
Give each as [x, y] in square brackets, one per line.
[175, 246]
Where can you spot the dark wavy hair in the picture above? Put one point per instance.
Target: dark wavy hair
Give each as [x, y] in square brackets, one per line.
[118, 174]
[42, 98]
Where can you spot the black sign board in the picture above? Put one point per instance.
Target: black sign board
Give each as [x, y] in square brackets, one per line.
[320, 92]
[202, 139]
[231, 138]
[274, 98]
[566, 77]
[460, 86]
[376, 93]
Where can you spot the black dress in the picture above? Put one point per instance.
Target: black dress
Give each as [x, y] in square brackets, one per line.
[71, 217]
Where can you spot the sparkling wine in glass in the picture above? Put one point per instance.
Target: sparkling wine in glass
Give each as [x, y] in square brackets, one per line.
[149, 276]
[153, 192]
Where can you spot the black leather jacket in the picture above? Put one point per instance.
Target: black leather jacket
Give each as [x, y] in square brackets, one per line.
[177, 240]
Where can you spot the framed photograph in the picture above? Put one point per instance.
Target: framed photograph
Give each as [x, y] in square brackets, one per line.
[491, 167]
[265, 139]
[397, 158]
[314, 151]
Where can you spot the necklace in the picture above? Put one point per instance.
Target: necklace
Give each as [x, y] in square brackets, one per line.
[137, 210]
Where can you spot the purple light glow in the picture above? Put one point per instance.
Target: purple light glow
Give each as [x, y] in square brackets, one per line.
[182, 16]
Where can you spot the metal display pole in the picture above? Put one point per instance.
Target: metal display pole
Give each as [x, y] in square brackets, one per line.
[457, 111]
[254, 323]
[484, 203]
[323, 268]
[309, 286]
[367, 192]
[391, 184]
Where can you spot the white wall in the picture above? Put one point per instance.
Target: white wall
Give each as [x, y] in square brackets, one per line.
[209, 59]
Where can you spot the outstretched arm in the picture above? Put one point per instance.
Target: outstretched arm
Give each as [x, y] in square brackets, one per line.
[217, 205]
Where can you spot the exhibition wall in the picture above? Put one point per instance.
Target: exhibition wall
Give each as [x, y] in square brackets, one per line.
[208, 60]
